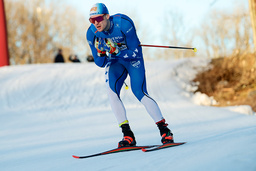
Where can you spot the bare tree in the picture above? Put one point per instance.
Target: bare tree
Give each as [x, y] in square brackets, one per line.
[36, 29]
[225, 33]
[176, 34]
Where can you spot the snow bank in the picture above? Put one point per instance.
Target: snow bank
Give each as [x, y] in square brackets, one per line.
[202, 99]
[244, 109]
[185, 72]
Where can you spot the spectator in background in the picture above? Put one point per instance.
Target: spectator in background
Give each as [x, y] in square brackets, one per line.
[74, 58]
[59, 57]
[90, 58]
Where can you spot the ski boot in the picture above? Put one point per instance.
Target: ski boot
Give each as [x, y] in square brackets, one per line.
[129, 139]
[165, 132]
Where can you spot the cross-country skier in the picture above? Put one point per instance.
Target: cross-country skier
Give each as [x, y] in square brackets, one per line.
[115, 46]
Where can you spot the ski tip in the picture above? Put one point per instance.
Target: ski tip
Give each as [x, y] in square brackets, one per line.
[143, 149]
[76, 157]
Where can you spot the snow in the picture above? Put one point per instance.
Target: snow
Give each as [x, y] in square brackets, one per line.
[244, 109]
[202, 99]
[50, 112]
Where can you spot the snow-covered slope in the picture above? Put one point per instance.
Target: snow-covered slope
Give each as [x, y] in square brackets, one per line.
[50, 112]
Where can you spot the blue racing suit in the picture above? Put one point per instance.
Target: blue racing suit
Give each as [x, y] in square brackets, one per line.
[130, 61]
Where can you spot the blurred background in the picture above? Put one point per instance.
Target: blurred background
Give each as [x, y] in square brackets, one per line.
[222, 31]
[38, 28]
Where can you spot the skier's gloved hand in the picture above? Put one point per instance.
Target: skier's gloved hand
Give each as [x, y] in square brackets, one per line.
[99, 45]
[111, 47]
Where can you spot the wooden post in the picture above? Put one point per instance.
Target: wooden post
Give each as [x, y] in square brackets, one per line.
[252, 7]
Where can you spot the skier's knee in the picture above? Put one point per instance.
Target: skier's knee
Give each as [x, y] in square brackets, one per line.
[138, 94]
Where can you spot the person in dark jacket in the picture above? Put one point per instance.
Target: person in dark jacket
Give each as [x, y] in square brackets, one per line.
[90, 58]
[74, 58]
[59, 57]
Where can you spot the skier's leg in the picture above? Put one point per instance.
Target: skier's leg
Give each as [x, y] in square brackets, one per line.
[152, 108]
[138, 85]
[115, 75]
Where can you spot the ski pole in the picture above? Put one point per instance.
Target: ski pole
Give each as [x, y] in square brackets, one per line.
[173, 47]
[126, 86]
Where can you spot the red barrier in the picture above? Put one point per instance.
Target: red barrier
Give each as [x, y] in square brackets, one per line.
[4, 55]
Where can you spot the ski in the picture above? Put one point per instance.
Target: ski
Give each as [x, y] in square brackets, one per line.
[115, 150]
[158, 147]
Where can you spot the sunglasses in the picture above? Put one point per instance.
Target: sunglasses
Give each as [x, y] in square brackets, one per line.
[98, 19]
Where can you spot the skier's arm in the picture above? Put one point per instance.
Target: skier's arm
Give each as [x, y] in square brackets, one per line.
[133, 50]
[100, 61]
